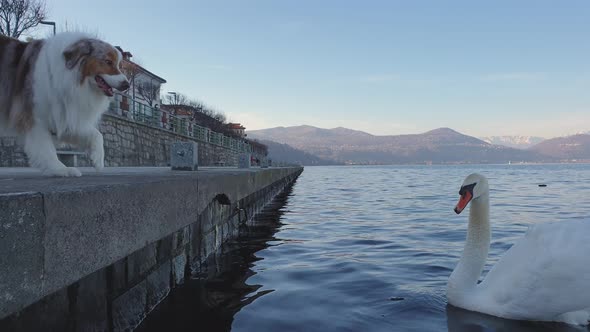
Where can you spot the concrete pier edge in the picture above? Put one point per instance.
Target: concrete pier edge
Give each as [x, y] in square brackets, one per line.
[103, 250]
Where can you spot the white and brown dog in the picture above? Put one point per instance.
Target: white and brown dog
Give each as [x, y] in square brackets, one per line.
[54, 91]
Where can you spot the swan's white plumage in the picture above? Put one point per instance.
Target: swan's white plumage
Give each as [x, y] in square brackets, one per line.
[544, 276]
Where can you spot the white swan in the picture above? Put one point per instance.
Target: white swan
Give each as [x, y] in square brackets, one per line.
[545, 276]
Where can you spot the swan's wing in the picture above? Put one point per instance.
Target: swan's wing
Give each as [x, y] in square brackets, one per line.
[547, 272]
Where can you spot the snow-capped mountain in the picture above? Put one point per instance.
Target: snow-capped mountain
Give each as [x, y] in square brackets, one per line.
[518, 142]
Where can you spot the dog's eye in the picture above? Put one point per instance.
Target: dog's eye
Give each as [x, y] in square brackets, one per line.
[108, 62]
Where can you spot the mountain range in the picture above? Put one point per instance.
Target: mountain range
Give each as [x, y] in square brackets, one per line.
[439, 146]
[517, 142]
[570, 148]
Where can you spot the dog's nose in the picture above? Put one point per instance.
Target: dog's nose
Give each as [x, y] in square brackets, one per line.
[124, 86]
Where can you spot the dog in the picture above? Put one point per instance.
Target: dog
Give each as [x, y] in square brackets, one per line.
[54, 91]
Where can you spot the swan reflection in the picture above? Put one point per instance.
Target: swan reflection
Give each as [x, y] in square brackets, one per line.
[461, 320]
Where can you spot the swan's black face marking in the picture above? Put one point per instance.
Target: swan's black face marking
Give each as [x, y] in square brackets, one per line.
[467, 188]
[466, 193]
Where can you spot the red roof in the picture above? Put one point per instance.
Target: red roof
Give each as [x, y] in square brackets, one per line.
[235, 126]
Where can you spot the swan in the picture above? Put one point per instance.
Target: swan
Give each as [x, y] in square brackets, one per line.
[544, 276]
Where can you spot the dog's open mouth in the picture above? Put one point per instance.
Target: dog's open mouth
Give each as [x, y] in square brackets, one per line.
[102, 84]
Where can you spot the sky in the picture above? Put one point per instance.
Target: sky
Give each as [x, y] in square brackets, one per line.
[385, 67]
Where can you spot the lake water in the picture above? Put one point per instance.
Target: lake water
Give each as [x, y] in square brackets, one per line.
[369, 249]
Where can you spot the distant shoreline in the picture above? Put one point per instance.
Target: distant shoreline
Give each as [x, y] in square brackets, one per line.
[463, 164]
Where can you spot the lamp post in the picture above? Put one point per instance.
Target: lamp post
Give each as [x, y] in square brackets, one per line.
[49, 23]
[175, 97]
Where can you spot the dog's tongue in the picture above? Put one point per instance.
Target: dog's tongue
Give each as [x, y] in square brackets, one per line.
[102, 84]
[109, 92]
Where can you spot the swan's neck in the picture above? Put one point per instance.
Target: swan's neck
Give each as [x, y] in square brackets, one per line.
[477, 245]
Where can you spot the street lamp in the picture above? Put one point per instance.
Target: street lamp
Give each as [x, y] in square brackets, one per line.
[49, 23]
[175, 96]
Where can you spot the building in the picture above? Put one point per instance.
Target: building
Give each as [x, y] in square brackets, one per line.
[196, 116]
[145, 86]
[237, 129]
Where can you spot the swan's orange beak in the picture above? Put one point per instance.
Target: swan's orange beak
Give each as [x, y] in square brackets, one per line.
[463, 201]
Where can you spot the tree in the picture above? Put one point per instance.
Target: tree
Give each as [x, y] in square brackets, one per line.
[148, 91]
[177, 99]
[200, 113]
[197, 105]
[131, 70]
[18, 16]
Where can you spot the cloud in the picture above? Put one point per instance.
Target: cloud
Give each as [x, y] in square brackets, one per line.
[515, 76]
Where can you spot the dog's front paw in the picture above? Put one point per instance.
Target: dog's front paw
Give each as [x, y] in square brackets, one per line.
[63, 172]
[97, 158]
[98, 165]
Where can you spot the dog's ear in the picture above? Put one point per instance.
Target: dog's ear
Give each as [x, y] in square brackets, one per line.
[75, 52]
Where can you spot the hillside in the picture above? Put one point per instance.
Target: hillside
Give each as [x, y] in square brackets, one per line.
[439, 146]
[284, 153]
[570, 148]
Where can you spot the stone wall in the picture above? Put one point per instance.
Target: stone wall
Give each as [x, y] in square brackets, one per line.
[120, 295]
[12, 153]
[129, 143]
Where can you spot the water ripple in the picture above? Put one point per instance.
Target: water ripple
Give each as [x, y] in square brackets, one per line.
[371, 249]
